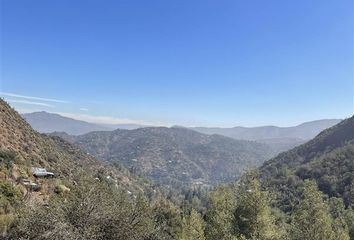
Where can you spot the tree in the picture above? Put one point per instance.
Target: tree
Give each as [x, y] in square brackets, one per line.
[312, 219]
[340, 229]
[193, 227]
[220, 216]
[141, 219]
[339, 224]
[168, 221]
[253, 216]
[349, 218]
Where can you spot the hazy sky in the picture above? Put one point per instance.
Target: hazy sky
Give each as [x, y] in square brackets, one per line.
[193, 62]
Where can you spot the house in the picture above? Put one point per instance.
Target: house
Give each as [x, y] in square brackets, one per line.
[41, 172]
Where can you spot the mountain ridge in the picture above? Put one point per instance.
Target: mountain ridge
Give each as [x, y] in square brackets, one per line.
[278, 138]
[328, 159]
[45, 122]
[257, 133]
[174, 155]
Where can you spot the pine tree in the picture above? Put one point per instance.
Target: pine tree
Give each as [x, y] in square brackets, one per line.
[340, 229]
[349, 218]
[220, 216]
[312, 219]
[253, 216]
[193, 227]
[141, 219]
[339, 224]
[167, 219]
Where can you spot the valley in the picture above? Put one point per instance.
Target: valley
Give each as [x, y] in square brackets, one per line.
[176, 120]
[175, 156]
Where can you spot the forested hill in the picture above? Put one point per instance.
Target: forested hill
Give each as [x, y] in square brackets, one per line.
[175, 156]
[328, 159]
[306, 193]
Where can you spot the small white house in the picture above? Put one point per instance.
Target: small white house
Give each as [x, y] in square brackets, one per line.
[41, 172]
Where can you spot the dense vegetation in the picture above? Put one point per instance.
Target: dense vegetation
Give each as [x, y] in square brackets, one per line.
[328, 159]
[98, 210]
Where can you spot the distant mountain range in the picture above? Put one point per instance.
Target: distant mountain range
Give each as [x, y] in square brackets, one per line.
[175, 156]
[303, 131]
[279, 138]
[45, 122]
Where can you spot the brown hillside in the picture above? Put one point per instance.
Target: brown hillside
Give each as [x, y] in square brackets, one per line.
[32, 149]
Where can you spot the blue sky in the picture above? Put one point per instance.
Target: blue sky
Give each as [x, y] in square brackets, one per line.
[195, 62]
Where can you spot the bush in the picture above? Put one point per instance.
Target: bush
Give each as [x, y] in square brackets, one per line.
[5, 223]
[8, 193]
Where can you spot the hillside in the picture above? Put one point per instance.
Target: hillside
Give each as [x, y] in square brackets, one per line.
[85, 199]
[328, 159]
[22, 148]
[45, 122]
[175, 155]
[279, 145]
